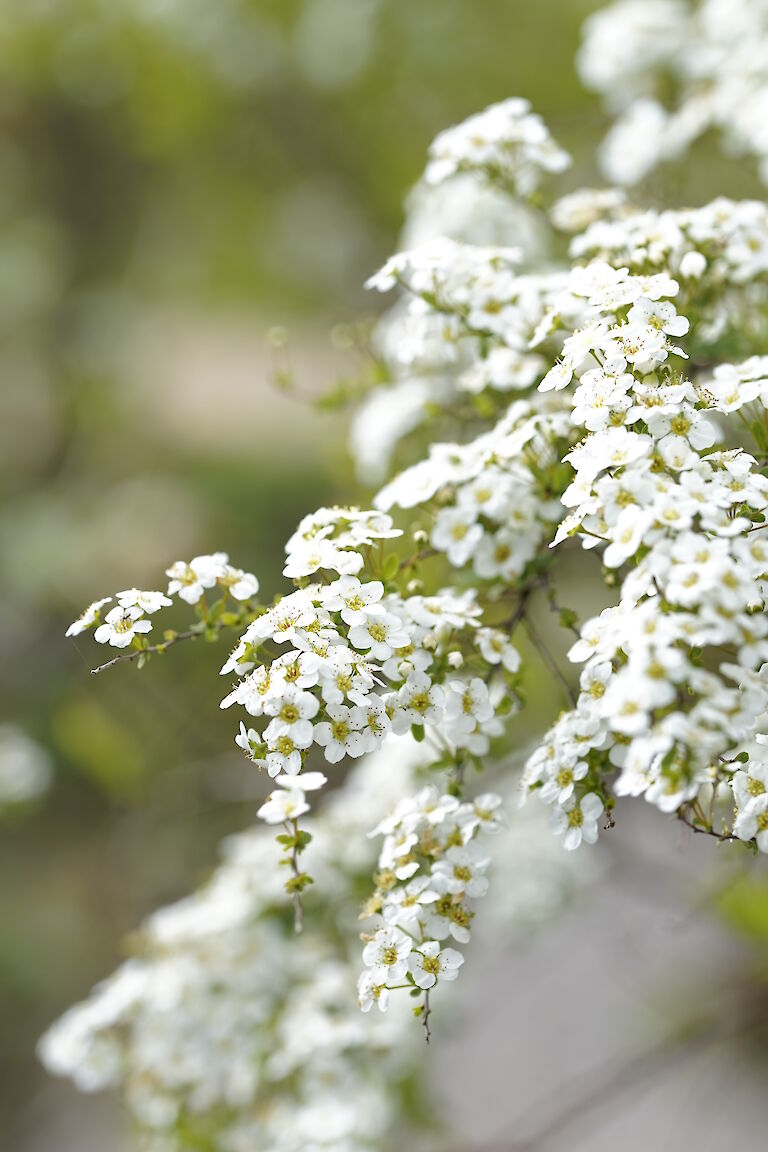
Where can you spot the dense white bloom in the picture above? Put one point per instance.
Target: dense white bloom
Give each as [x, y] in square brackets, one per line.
[507, 141]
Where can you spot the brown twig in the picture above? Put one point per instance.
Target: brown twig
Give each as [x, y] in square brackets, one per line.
[134, 653]
[417, 558]
[703, 829]
[426, 1013]
[549, 660]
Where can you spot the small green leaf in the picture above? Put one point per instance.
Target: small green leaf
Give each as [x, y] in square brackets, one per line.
[390, 567]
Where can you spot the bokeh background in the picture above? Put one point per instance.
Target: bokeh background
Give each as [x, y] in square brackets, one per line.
[182, 182]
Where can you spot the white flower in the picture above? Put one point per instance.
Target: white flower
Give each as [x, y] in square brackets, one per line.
[750, 784]
[240, 585]
[340, 735]
[310, 781]
[148, 602]
[387, 955]
[485, 810]
[292, 713]
[578, 820]
[462, 871]
[249, 740]
[120, 626]
[658, 314]
[191, 580]
[284, 754]
[506, 138]
[370, 993]
[628, 535]
[355, 602]
[89, 617]
[752, 822]
[344, 676]
[404, 905]
[419, 701]
[467, 705]
[429, 963]
[382, 634]
[560, 787]
[284, 804]
[457, 533]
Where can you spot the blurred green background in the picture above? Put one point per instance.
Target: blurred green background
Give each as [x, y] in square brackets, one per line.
[177, 177]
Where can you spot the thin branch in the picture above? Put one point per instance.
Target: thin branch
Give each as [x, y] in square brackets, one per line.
[549, 660]
[298, 911]
[134, 653]
[426, 1013]
[556, 607]
[703, 829]
[417, 558]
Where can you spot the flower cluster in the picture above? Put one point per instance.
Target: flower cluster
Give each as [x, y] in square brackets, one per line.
[221, 1030]
[224, 1030]
[336, 666]
[126, 625]
[507, 142]
[673, 71]
[717, 253]
[491, 500]
[477, 281]
[430, 868]
[668, 690]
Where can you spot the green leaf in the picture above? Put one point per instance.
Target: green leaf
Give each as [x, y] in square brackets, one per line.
[298, 883]
[417, 731]
[568, 618]
[390, 567]
[757, 428]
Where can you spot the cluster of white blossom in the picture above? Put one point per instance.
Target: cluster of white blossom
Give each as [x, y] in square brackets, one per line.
[669, 690]
[338, 665]
[223, 1030]
[466, 319]
[718, 253]
[507, 143]
[124, 625]
[492, 501]
[673, 70]
[430, 868]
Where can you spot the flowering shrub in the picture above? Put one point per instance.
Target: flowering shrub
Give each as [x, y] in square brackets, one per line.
[616, 400]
